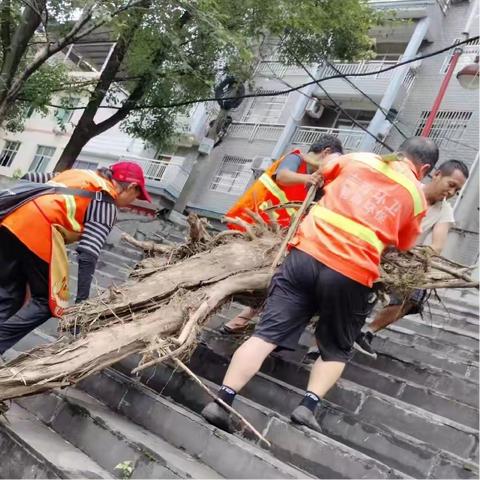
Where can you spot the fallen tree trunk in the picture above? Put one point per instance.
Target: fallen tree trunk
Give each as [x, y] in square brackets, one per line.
[160, 310]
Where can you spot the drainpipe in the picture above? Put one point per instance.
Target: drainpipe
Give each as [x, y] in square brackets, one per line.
[377, 124]
[303, 97]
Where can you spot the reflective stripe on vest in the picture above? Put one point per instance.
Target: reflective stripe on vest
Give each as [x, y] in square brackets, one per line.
[70, 207]
[400, 178]
[348, 225]
[276, 191]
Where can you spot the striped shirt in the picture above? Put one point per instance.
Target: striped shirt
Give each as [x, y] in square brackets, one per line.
[99, 218]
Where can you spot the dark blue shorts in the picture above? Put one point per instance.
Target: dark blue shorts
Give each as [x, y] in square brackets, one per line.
[304, 287]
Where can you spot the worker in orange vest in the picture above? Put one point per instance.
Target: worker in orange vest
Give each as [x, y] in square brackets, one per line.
[369, 204]
[33, 237]
[286, 180]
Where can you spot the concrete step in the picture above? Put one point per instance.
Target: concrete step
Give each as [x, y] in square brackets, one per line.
[124, 250]
[315, 453]
[441, 331]
[396, 375]
[404, 336]
[455, 316]
[29, 449]
[412, 349]
[267, 395]
[372, 406]
[229, 455]
[110, 439]
[465, 299]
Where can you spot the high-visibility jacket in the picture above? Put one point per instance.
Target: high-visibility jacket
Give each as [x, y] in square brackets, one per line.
[46, 223]
[266, 192]
[368, 204]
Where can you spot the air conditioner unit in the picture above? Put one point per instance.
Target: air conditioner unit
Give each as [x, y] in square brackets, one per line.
[315, 108]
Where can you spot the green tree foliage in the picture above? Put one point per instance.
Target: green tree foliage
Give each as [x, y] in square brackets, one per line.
[167, 52]
[177, 62]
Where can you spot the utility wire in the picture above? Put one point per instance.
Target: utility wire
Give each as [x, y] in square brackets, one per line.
[282, 92]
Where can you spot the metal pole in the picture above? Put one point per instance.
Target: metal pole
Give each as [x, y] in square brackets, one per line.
[441, 93]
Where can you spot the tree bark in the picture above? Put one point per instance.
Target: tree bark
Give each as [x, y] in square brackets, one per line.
[17, 47]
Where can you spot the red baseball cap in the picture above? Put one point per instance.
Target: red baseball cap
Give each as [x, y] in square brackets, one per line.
[132, 173]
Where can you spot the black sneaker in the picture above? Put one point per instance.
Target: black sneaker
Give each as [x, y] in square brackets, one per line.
[216, 415]
[304, 416]
[364, 344]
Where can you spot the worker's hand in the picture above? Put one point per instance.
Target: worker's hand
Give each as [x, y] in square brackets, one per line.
[315, 178]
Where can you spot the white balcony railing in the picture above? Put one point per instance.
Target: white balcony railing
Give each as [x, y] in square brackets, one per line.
[255, 131]
[252, 132]
[167, 172]
[307, 135]
[274, 68]
[366, 66]
[279, 70]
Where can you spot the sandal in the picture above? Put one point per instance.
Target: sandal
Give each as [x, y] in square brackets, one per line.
[233, 331]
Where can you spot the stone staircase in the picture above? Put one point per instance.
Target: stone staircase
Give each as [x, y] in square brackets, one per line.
[411, 413]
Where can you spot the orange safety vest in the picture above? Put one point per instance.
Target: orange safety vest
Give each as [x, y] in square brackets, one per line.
[46, 223]
[368, 204]
[265, 193]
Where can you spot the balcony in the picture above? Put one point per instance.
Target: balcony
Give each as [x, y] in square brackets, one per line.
[374, 85]
[167, 174]
[252, 132]
[351, 138]
[305, 136]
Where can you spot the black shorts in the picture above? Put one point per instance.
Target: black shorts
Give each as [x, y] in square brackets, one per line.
[304, 287]
[416, 301]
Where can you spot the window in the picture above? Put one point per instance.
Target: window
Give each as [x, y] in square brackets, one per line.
[233, 175]
[42, 158]
[265, 109]
[363, 117]
[64, 115]
[448, 125]
[85, 165]
[8, 153]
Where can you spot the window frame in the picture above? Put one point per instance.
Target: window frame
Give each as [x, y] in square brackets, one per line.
[39, 165]
[9, 153]
[258, 103]
[448, 125]
[239, 177]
